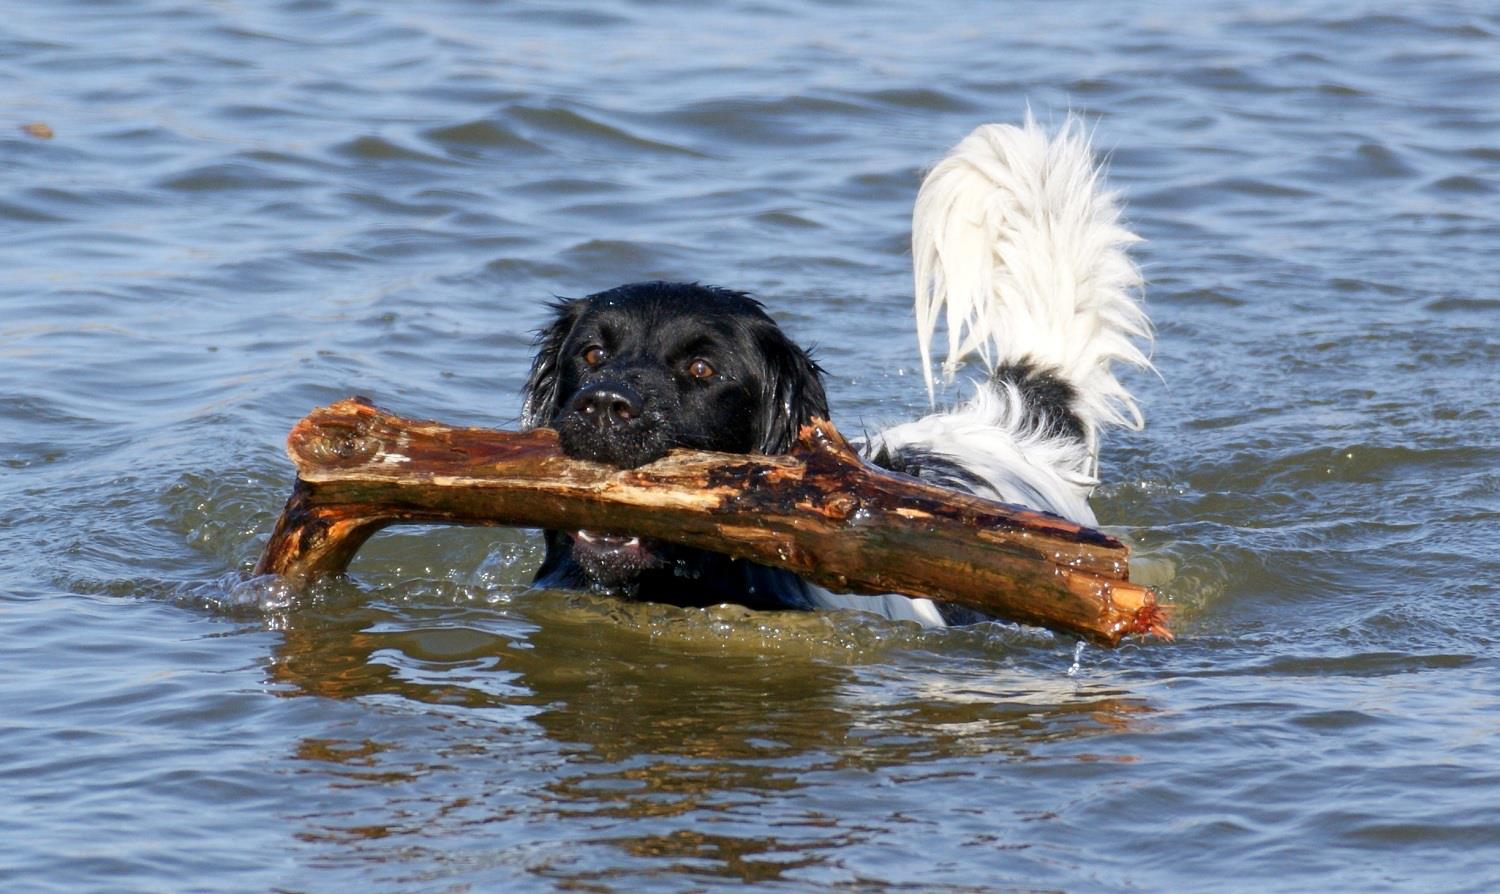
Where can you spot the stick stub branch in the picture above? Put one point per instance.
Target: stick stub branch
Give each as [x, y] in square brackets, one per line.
[819, 511]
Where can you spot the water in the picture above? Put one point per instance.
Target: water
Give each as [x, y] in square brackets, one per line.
[250, 209]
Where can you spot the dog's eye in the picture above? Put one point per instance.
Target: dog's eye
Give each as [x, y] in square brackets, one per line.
[700, 368]
[593, 355]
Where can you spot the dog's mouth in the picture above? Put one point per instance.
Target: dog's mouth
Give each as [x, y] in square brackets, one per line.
[608, 542]
[612, 558]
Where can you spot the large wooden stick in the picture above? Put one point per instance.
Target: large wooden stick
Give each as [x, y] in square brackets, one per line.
[818, 511]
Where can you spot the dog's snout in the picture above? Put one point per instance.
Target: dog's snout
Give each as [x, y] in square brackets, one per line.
[615, 420]
[608, 404]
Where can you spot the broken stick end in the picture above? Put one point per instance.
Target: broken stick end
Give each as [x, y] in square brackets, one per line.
[1151, 620]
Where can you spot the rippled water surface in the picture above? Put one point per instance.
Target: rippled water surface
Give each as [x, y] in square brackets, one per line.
[248, 209]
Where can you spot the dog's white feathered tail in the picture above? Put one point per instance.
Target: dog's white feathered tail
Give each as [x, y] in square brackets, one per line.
[1017, 246]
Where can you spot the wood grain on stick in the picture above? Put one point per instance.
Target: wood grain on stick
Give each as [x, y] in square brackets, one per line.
[819, 511]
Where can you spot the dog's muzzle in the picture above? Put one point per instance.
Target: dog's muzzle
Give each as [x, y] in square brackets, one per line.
[622, 423]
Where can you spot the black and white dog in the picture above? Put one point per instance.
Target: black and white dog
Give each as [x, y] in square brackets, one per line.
[1016, 245]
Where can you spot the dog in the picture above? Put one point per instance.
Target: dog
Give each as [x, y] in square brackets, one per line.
[1017, 248]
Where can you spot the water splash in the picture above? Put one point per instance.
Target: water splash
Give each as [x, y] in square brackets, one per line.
[1077, 659]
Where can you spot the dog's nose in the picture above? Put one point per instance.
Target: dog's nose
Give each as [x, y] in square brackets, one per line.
[608, 405]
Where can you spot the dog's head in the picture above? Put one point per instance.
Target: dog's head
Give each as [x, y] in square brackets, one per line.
[628, 374]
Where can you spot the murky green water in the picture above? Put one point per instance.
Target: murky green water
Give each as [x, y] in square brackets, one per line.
[248, 209]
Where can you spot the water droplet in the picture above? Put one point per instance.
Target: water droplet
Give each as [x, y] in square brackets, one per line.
[1077, 657]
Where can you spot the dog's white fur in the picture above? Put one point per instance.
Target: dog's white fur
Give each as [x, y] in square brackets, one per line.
[1018, 248]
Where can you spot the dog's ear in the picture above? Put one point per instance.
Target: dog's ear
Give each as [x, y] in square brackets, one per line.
[792, 392]
[541, 387]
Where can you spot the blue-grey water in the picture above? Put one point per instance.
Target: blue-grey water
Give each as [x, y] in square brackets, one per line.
[246, 209]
